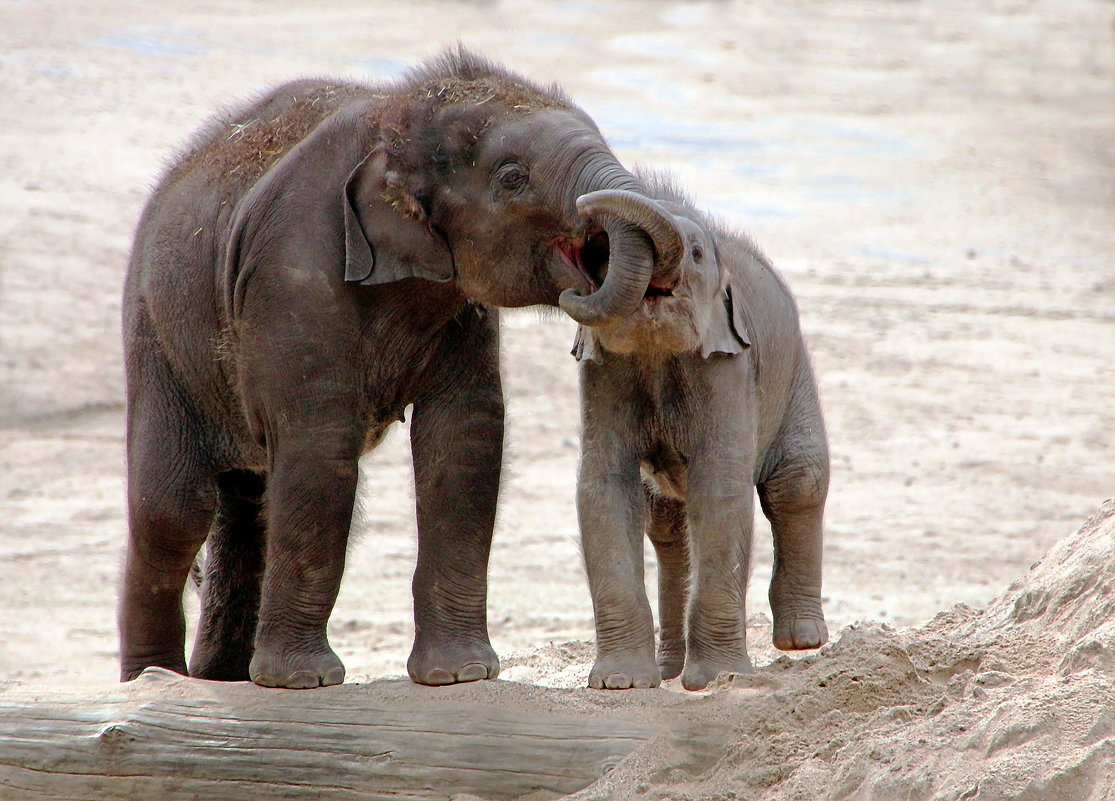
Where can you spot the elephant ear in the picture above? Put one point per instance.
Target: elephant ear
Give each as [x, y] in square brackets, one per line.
[727, 332]
[584, 346]
[387, 237]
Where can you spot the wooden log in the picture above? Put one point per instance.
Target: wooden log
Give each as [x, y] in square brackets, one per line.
[165, 737]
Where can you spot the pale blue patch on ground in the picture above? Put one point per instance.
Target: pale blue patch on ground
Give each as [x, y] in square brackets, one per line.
[153, 44]
[892, 255]
[382, 67]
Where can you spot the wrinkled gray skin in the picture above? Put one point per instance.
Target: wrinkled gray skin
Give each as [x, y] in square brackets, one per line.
[701, 395]
[310, 266]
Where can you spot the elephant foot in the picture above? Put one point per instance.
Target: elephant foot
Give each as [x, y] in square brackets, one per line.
[296, 670]
[800, 633]
[671, 659]
[214, 663]
[799, 621]
[130, 668]
[699, 672]
[624, 672]
[452, 662]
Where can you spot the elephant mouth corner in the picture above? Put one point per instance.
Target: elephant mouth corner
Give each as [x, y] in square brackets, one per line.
[584, 258]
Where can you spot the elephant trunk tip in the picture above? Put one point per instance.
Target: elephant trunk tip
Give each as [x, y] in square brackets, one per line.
[580, 309]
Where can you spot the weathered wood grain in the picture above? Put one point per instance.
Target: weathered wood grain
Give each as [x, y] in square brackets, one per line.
[165, 738]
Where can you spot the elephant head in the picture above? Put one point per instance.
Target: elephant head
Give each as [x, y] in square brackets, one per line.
[688, 303]
[475, 176]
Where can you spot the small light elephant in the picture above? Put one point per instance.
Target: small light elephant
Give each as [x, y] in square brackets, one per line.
[703, 394]
[310, 266]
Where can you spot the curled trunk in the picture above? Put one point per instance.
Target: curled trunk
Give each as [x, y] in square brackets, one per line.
[642, 241]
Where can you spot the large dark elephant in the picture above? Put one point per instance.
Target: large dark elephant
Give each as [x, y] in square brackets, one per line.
[312, 265]
[701, 396]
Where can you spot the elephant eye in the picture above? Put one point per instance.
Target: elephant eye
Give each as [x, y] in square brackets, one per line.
[512, 176]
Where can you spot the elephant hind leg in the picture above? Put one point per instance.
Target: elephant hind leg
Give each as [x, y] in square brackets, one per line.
[233, 576]
[171, 502]
[793, 496]
[666, 529]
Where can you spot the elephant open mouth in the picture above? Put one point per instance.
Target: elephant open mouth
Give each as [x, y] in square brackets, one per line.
[586, 256]
[656, 295]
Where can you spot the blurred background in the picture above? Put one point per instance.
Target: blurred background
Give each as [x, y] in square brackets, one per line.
[936, 180]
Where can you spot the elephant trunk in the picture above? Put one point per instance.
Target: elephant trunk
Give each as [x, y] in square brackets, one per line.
[643, 241]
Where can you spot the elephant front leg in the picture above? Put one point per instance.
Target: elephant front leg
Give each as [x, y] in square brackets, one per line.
[720, 519]
[611, 511]
[457, 449]
[309, 509]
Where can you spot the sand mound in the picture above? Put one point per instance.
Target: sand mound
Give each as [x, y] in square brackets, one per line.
[1014, 702]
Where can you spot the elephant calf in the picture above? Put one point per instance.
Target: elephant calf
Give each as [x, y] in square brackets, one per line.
[312, 265]
[706, 391]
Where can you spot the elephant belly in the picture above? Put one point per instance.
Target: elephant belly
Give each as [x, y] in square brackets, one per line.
[374, 435]
[377, 428]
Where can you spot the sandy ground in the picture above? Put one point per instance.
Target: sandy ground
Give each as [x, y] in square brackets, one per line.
[935, 180]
